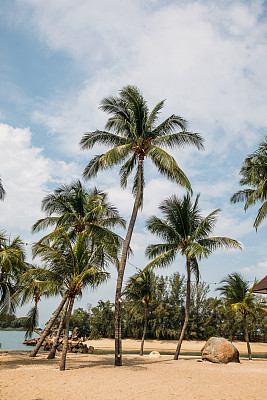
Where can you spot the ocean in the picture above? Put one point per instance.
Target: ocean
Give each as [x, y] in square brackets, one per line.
[13, 340]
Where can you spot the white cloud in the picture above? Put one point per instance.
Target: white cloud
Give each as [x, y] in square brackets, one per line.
[26, 175]
[208, 61]
[257, 271]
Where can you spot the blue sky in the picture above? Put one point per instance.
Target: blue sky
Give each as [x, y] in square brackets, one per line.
[208, 59]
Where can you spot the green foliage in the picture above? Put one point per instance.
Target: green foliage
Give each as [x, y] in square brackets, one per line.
[12, 265]
[184, 231]
[102, 320]
[254, 175]
[133, 134]
[82, 320]
[10, 321]
[95, 323]
[6, 320]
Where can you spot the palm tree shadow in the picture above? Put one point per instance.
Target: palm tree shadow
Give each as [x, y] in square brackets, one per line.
[18, 359]
[132, 363]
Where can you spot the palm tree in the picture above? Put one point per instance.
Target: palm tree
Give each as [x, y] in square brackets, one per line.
[184, 232]
[32, 289]
[132, 134]
[2, 191]
[139, 289]
[76, 265]
[241, 299]
[76, 209]
[12, 265]
[254, 175]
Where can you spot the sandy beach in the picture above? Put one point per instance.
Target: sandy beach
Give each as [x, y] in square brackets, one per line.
[90, 376]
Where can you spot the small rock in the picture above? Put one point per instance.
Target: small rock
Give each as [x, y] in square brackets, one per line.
[155, 354]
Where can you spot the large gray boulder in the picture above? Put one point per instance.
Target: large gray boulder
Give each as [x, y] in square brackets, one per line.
[219, 350]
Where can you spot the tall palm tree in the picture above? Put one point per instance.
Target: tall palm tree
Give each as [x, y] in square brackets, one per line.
[132, 134]
[2, 191]
[139, 289]
[12, 265]
[184, 232]
[254, 175]
[241, 299]
[76, 265]
[77, 209]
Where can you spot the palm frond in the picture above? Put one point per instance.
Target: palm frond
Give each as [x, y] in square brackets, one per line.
[167, 166]
[180, 139]
[107, 160]
[169, 126]
[89, 139]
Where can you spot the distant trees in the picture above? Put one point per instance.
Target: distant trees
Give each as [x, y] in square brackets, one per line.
[96, 322]
[209, 316]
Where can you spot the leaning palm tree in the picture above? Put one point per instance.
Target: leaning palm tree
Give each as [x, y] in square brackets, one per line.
[2, 191]
[139, 290]
[77, 210]
[184, 231]
[12, 265]
[76, 265]
[241, 299]
[132, 134]
[254, 175]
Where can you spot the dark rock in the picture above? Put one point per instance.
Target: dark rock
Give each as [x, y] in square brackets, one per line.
[91, 349]
[219, 350]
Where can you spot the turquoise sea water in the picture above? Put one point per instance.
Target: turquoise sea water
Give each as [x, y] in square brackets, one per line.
[13, 340]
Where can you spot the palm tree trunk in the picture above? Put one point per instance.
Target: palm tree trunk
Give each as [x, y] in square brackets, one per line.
[144, 332]
[187, 309]
[246, 336]
[126, 245]
[48, 327]
[66, 338]
[52, 352]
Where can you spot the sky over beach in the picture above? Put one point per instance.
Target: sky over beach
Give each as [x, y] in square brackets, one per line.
[208, 59]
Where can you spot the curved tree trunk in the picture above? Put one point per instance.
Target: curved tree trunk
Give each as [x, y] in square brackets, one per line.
[66, 338]
[144, 332]
[48, 327]
[126, 245]
[187, 309]
[52, 352]
[246, 336]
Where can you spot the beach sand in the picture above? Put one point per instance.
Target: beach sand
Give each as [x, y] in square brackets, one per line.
[95, 377]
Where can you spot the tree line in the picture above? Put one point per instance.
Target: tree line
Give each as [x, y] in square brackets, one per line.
[82, 244]
[209, 316]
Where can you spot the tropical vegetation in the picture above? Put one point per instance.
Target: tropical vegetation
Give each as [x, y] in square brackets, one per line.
[241, 298]
[139, 290]
[133, 134]
[209, 316]
[75, 265]
[254, 175]
[184, 231]
[81, 241]
[12, 265]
